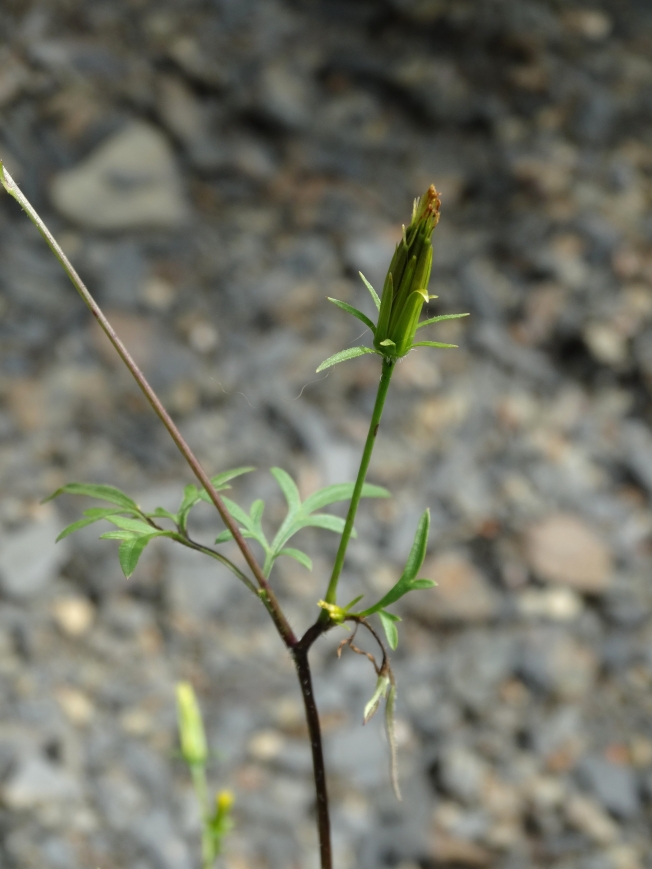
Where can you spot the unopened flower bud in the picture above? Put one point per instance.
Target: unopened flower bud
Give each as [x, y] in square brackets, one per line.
[406, 285]
[191, 726]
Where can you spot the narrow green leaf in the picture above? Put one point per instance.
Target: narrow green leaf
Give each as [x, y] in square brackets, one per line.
[340, 492]
[288, 487]
[321, 520]
[119, 535]
[440, 318]
[91, 516]
[298, 555]
[418, 550]
[134, 525]
[388, 622]
[374, 294]
[92, 490]
[219, 480]
[256, 511]
[130, 552]
[407, 582]
[343, 355]
[354, 311]
[433, 344]
[162, 513]
[238, 513]
[380, 691]
[423, 583]
[224, 536]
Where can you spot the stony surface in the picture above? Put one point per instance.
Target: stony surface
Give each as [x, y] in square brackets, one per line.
[215, 170]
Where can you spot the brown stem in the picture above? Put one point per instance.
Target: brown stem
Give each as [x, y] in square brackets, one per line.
[266, 593]
[300, 655]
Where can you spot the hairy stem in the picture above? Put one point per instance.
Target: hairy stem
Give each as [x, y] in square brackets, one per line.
[383, 386]
[272, 604]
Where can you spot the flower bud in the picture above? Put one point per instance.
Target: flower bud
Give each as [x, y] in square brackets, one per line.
[191, 726]
[406, 286]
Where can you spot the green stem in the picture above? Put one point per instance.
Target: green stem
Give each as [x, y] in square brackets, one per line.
[383, 386]
[198, 774]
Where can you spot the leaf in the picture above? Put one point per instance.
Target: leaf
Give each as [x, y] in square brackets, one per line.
[354, 311]
[374, 294]
[380, 691]
[219, 480]
[390, 724]
[388, 622]
[343, 355]
[118, 535]
[224, 536]
[130, 552]
[249, 527]
[101, 492]
[298, 555]
[288, 487]
[135, 525]
[440, 318]
[162, 513]
[340, 492]
[91, 516]
[407, 582]
[423, 583]
[321, 520]
[433, 344]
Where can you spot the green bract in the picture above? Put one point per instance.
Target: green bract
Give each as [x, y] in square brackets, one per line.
[404, 293]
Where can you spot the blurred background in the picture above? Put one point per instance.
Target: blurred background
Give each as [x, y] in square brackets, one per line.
[215, 170]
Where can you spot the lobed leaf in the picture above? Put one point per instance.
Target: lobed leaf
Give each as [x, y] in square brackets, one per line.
[288, 487]
[343, 355]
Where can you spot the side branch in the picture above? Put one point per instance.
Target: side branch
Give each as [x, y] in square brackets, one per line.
[281, 622]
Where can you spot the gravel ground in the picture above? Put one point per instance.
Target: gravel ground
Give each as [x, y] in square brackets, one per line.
[215, 170]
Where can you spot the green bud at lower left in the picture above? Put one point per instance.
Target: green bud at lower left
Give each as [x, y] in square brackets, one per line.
[191, 727]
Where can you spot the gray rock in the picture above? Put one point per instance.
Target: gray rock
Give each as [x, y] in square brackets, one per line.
[157, 836]
[612, 784]
[462, 773]
[129, 182]
[30, 558]
[38, 782]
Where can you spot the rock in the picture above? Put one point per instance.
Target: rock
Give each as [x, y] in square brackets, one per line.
[463, 773]
[30, 558]
[129, 182]
[557, 663]
[74, 615]
[564, 549]
[446, 850]
[157, 836]
[614, 785]
[463, 595]
[37, 782]
[586, 816]
[555, 604]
